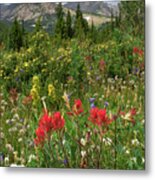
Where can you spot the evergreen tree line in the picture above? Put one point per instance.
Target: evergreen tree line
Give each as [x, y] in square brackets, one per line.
[131, 14]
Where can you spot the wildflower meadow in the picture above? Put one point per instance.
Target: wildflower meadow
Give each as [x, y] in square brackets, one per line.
[76, 99]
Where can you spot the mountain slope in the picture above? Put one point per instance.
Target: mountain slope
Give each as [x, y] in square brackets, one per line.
[98, 11]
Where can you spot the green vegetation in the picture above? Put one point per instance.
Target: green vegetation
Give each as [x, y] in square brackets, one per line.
[74, 99]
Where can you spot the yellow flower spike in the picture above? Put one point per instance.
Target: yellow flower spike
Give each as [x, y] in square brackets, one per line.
[51, 91]
[35, 80]
[26, 64]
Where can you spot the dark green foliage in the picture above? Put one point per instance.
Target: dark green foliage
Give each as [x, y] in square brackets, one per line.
[3, 33]
[112, 20]
[15, 36]
[132, 15]
[69, 31]
[38, 25]
[60, 23]
[80, 26]
[93, 32]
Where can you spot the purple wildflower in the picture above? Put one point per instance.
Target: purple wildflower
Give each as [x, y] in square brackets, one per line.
[91, 100]
[1, 157]
[106, 104]
[65, 161]
[92, 105]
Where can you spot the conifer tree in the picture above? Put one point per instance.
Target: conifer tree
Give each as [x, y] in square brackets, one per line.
[38, 25]
[60, 23]
[69, 25]
[81, 25]
[112, 20]
[93, 32]
[24, 35]
[15, 36]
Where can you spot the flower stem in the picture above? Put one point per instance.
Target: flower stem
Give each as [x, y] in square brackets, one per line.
[64, 151]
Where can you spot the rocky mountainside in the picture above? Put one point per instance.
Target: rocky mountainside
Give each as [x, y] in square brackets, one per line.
[26, 11]
[95, 7]
[29, 12]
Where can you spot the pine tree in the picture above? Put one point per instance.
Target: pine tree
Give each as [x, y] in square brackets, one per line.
[60, 24]
[38, 26]
[112, 20]
[69, 30]
[24, 35]
[93, 32]
[80, 25]
[15, 36]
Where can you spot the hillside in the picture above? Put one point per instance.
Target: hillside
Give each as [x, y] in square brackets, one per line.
[99, 12]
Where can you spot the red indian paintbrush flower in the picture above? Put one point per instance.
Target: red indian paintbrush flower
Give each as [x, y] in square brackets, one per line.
[77, 108]
[135, 50]
[58, 121]
[99, 117]
[46, 122]
[138, 51]
[40, 133]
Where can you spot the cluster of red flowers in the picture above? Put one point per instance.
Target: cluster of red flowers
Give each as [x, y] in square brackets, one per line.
[77, 108]
[99, 117]
[138, 51]
[47, 124]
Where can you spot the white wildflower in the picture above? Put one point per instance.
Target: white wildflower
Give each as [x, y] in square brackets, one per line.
[20, 140]
[6, 161]
[31, 157]
[83, 153]
[15, 165]
[135, 142]
[83, 141]
[134, 159]
[143, 160]
[127, 151]
[9, 147]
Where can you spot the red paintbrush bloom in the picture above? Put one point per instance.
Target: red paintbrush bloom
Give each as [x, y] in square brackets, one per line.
[133, 111]
[135, 50]
[40, 133]
[45, 122]
[93, 115]
[58, 121]
[140, 52]
[99, 117]
[77, 107]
